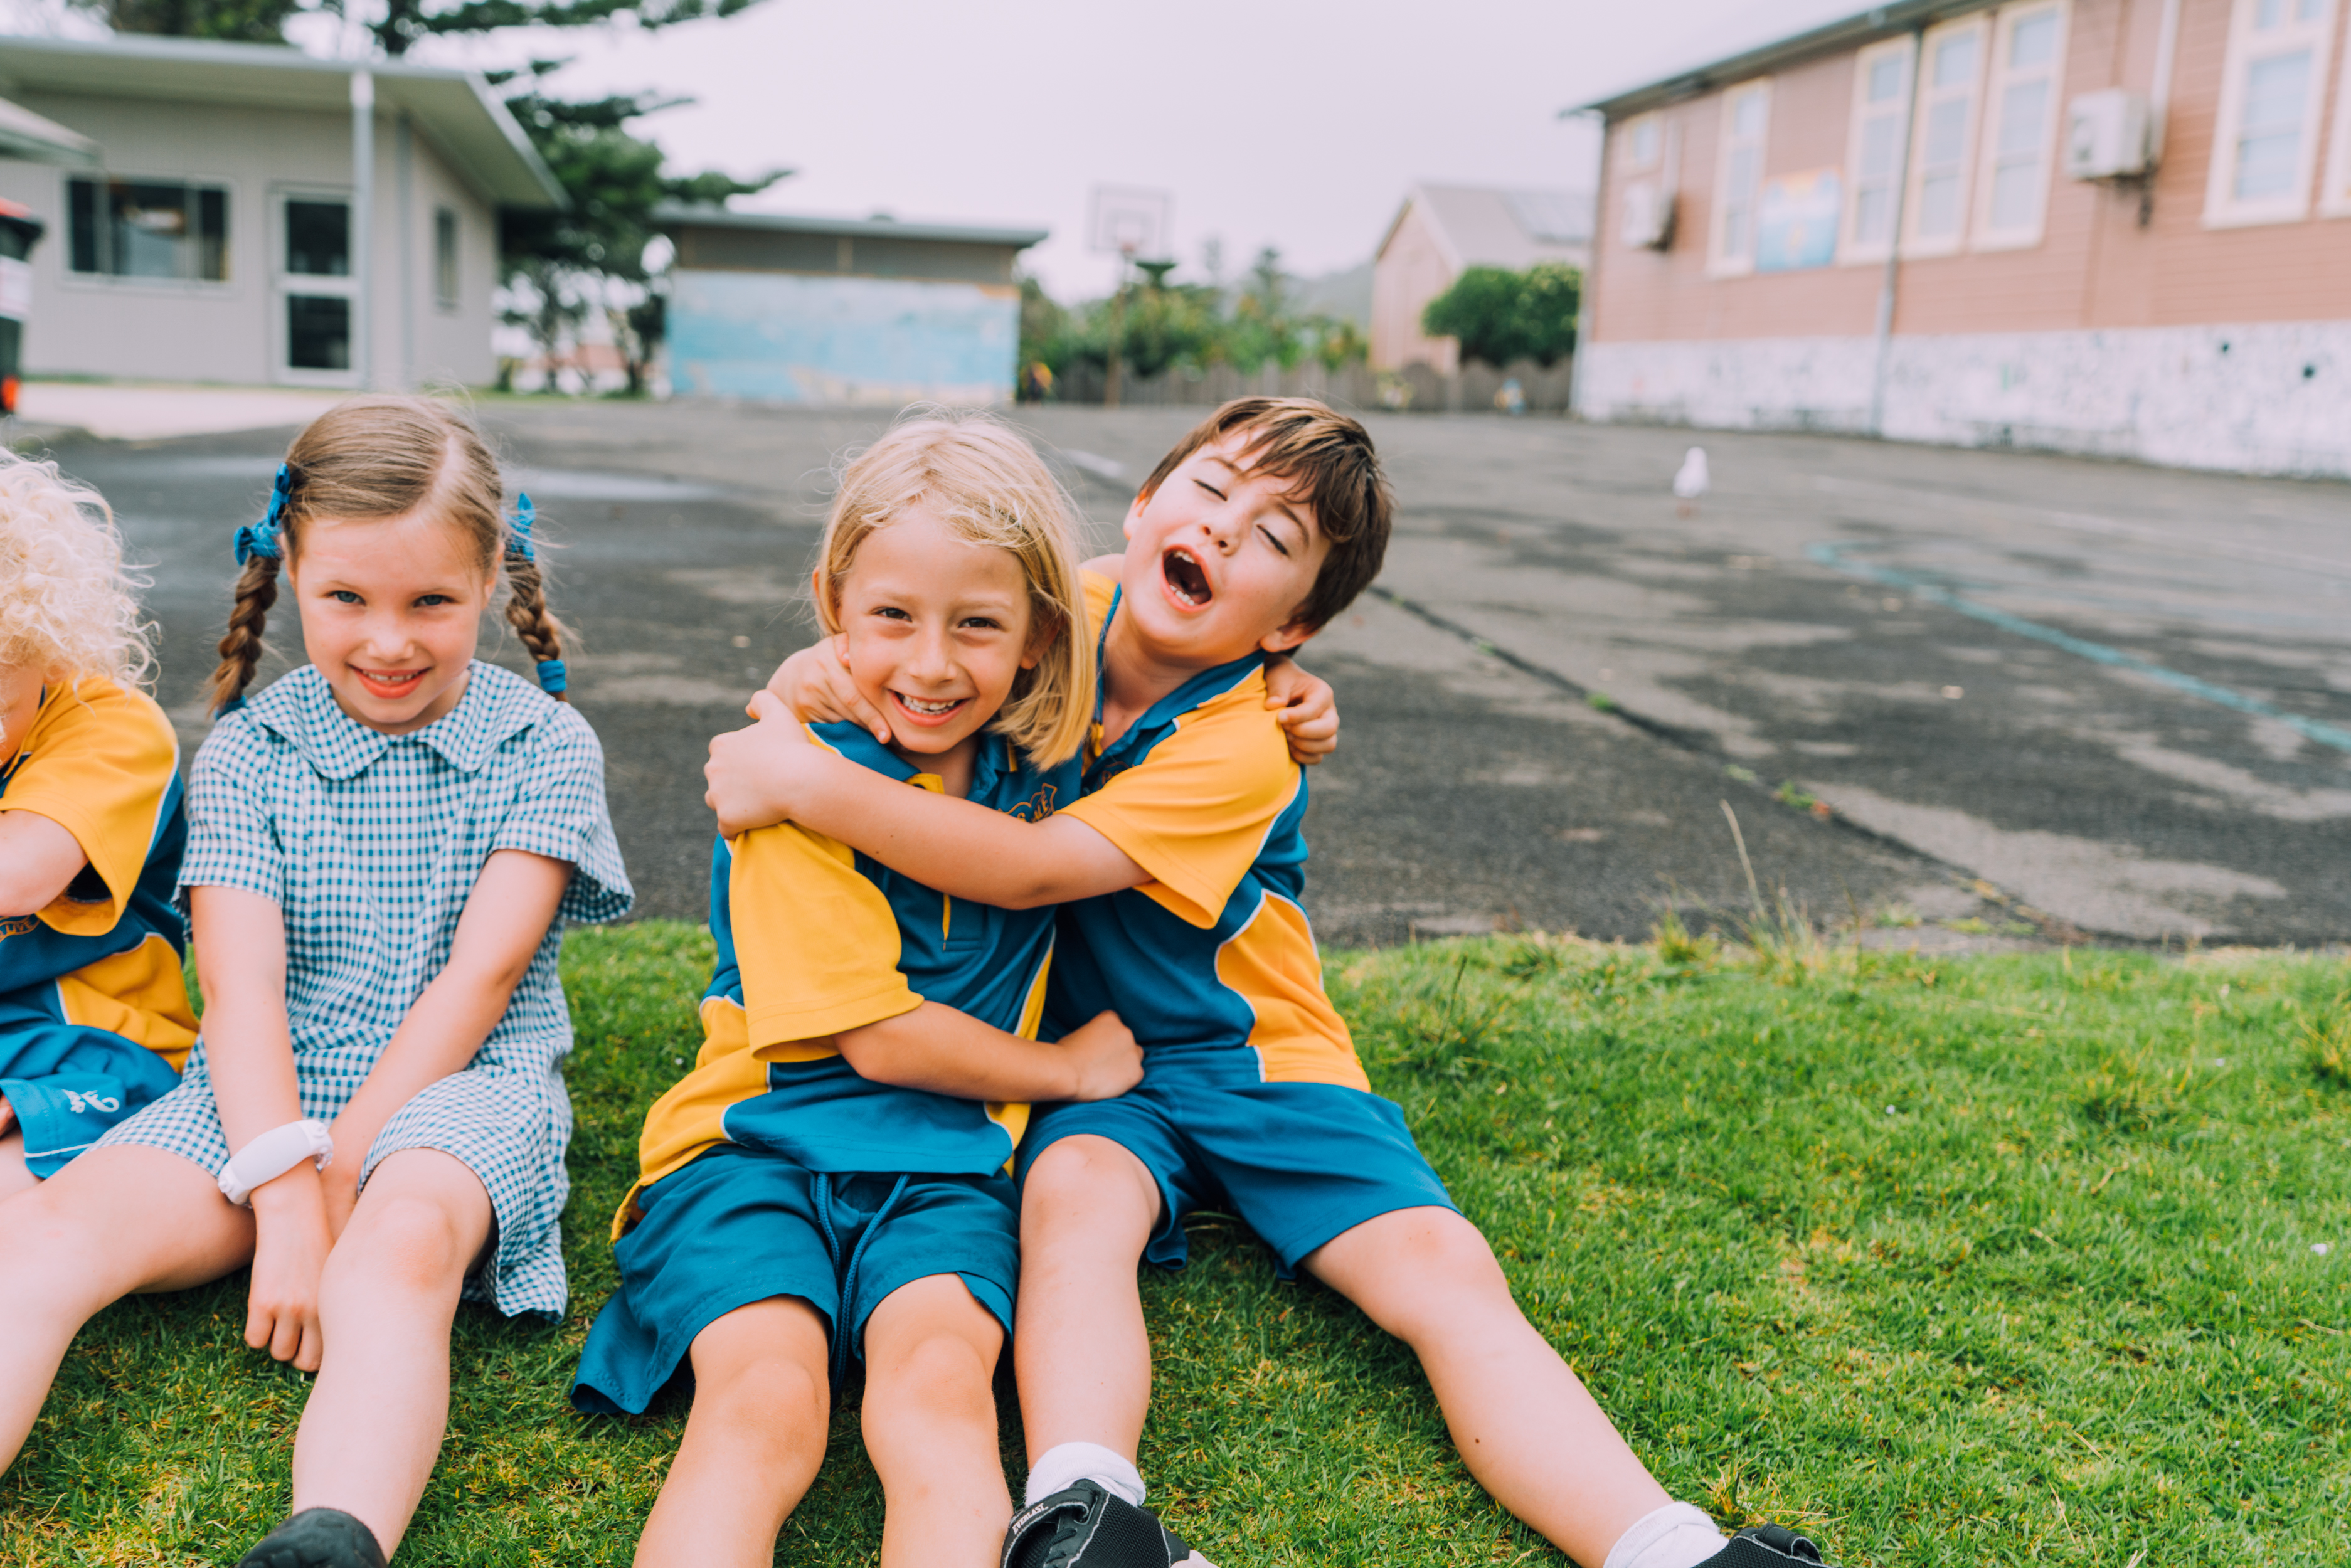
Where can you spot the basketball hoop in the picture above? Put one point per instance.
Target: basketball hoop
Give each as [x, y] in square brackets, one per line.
[1128, 221]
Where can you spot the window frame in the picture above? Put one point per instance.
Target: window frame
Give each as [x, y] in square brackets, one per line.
[1998, 79]
[446, 219]
[1852, 249]
[1628, 157]
[2335, 189]
[2222, 207]
[1719, 263]
[1929, 98]
[73, 276]
[284, 283]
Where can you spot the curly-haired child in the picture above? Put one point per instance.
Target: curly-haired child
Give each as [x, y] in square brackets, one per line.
[94, 1017]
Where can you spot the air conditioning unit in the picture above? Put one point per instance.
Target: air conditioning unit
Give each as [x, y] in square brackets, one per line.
[2105, 135]
[1648, 216]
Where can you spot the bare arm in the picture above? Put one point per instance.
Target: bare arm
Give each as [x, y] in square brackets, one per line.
[961, 848]
[39, 860]
[945, 1052]
[505, 916]
[240, 940]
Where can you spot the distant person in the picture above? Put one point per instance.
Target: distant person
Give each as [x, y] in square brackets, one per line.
[828, 1184]
[385, 844]
[1036, 381]
[1182, 867]
[94, 1017]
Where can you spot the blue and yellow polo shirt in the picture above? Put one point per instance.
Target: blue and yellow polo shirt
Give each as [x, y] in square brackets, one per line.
[1214, 953]
[101, 762]
[815, 939]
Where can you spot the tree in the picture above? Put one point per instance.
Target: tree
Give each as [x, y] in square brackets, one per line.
[1501, 316]
[592, 255]
[402, 23]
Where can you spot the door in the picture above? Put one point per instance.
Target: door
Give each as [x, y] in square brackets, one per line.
[317, 296]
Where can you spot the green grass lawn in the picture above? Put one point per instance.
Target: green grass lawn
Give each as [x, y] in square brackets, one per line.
[1953, 1261]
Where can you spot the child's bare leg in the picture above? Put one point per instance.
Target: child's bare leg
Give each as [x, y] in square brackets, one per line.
[753, 1441]
[115, 1221]
[1085, 1360]
[930, 1425]
[1525, 1425]
[387, 1297]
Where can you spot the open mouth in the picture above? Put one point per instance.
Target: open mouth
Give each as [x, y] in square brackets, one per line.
[390, 684]
[1187, 583]
[923, 711]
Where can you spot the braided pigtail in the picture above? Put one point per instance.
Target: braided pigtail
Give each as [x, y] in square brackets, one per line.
[259, 548]
[526, 610]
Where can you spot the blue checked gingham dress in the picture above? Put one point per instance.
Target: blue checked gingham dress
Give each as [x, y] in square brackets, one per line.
[371, 843]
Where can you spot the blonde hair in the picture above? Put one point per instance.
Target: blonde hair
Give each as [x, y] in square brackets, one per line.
[372, 457]
[978, 476]
[66, 600]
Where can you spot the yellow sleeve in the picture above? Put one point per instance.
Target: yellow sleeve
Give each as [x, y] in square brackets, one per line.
[817, 942]
[1195, 813]
[1098, 591]
[100, 761]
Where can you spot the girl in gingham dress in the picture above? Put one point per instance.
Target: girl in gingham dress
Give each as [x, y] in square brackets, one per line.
[384, 845]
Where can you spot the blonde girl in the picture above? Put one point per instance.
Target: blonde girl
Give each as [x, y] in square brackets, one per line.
[94, 1020]
[385, 844]
[828, 1183]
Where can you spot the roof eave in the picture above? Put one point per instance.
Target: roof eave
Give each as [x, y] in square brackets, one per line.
[1879, 22]
[671, 215]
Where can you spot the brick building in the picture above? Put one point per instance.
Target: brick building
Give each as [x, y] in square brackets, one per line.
[2109, 226]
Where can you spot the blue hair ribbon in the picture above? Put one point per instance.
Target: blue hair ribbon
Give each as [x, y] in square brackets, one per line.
[551, 678]
[261, 538]
[518, 541]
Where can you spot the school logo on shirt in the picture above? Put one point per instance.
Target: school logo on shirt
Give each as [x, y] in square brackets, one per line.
[1035, 809]
[16, 926]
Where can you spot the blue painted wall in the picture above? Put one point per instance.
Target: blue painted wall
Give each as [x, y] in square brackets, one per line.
[786, 338]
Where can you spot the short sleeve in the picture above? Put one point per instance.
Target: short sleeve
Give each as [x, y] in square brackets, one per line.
[816, 941]
[99, 762]
[1196, 810]
[231, 840]
[560, 812]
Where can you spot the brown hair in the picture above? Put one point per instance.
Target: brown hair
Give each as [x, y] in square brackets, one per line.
[1328, 460]
[980, 478]
[369, 458]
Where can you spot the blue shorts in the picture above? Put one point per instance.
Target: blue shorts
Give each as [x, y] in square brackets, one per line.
[1301, 1163]
[737, 1226]
[68, 1083]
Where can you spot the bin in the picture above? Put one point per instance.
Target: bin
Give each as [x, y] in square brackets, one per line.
[19, 232]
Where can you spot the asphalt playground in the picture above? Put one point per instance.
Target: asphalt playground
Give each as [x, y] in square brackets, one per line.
[1952, 699]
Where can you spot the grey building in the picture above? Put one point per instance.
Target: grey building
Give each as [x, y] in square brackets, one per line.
[260, 216]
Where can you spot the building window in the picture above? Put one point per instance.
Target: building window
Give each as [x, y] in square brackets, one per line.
[445, 255]
[1641, 140]
[2334, 195]
[1746, 118]
[1943, 136]
[2268, 136]
[147, 228]
[1881, 103]
[2028, 67]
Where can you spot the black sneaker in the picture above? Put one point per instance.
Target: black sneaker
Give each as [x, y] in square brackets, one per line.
[1086, 1527]
[1765, 1546]
[317, 1538]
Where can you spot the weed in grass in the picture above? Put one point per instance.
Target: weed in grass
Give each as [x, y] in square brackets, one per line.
[1676, 946]
[2327, 1043]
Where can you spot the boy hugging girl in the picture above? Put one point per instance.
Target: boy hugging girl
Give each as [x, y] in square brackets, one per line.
[1013, 976]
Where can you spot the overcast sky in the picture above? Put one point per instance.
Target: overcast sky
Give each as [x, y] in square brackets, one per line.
[1296, 123]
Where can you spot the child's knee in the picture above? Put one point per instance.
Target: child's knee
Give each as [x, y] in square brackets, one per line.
[1082, 1182]
[405, 1241]
[775, 1396]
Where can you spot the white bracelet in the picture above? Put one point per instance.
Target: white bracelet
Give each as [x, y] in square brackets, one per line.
[272, 1154]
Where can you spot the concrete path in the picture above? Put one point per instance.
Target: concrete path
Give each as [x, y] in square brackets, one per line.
[1971, 698]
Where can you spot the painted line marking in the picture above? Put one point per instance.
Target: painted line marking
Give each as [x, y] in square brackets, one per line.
[1833, 556]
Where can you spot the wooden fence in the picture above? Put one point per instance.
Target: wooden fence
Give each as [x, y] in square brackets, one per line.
[1476, 387]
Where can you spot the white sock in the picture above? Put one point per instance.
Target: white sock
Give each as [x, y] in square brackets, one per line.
[1065, 1464]
[1675, 1536]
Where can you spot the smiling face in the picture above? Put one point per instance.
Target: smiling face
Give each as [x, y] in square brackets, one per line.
[935, 630]
[1219, 559]
[392, 614]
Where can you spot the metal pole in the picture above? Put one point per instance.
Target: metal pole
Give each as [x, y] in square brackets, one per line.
[1888, 290]
[362, 210]
[404, 150]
